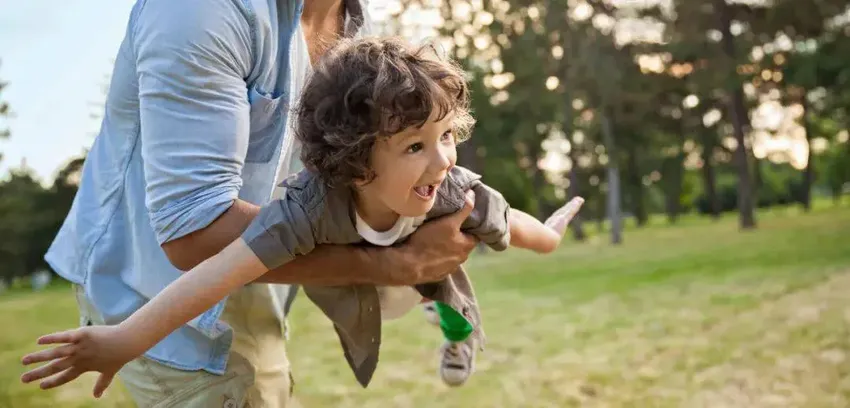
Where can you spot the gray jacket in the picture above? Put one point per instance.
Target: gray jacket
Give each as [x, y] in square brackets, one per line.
[311, 213]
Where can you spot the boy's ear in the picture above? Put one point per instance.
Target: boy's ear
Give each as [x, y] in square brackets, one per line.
[360, 182]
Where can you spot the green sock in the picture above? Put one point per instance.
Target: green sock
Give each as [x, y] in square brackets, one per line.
[455, 327]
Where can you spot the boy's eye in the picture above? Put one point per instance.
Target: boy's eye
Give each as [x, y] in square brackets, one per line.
[446, 136]
[415, 147]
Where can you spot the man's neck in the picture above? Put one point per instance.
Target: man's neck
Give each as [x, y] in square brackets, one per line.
[317, 12]
[322, 25]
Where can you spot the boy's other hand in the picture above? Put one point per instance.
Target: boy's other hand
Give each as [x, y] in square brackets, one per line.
[561, 218]
[94, 348]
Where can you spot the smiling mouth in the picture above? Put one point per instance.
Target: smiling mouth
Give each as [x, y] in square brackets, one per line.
[426, 192]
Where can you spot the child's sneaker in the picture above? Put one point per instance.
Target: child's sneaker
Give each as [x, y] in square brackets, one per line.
[431, 314]
[457, 362]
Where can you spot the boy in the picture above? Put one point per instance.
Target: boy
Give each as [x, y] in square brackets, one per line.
[378, 122]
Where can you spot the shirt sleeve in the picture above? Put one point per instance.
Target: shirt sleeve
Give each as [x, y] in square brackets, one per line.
[281, 231]
[489, 219]
[191, 58]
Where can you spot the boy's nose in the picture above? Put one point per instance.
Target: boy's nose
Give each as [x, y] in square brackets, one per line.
[442, 160]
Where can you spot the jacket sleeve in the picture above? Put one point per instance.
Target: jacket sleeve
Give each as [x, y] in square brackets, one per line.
[191, 58]
[281, 231]
[489, 219]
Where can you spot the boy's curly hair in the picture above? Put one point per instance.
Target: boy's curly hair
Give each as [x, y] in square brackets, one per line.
[372, 88]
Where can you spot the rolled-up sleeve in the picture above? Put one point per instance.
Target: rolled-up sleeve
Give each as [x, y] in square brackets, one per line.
[281, 231]
[489, 219]
[192, 58]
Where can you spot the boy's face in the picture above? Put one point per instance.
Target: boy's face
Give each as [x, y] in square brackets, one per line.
[409, 167]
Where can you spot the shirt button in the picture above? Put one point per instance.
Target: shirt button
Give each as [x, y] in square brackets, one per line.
[230, 403]
[373, 340]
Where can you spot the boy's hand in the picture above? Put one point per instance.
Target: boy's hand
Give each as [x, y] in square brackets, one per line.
[94, 348]
[561, 218]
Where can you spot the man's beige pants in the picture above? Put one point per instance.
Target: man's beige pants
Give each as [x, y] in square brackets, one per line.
[257, 375]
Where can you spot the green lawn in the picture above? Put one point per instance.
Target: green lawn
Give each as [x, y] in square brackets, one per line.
[696, 315]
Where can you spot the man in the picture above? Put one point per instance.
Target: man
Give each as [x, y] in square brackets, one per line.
[194, 139]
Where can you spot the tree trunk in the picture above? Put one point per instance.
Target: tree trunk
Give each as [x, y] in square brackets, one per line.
[674, 191]
[738, 113]
[808, 172]
[600, 213]
[614, 212]
[709, 177]
[675, 178]
[635, 185]
[757, 178]
[538, 181]
[573, 191]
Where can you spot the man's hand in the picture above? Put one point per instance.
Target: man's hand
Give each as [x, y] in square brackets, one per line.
[436, 249]
[433, 252]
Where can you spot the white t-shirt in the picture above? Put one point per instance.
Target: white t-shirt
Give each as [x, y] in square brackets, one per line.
[395, 301]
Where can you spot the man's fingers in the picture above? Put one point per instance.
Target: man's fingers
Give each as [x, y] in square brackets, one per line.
[468, 205]
[49, 354]
[66, 376]
[47, 370]
[102, 384]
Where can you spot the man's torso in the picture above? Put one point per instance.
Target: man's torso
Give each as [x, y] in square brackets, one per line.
[107, 244]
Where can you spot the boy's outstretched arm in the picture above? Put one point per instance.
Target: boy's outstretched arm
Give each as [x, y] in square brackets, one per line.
[106, 349]
[529, 233]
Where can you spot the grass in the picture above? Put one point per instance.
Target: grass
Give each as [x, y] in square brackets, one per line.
[694, 315]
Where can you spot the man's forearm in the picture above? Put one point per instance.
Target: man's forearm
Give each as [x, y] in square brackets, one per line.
[188, 251]
[332, 265]
[327, 265]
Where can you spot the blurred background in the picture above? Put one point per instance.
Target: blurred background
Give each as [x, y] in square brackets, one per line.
[709, 138]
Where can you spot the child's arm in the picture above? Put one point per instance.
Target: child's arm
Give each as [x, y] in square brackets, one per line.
[193, 293]
[529, 233]
[275, 237]
[107, 348]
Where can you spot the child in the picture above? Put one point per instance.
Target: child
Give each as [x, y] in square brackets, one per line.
[378, 122]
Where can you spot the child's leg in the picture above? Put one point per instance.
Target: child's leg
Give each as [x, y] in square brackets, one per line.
[430, 310]
[458, 352]
[454, 326]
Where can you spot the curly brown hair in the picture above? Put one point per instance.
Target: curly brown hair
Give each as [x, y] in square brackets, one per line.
[372, 88]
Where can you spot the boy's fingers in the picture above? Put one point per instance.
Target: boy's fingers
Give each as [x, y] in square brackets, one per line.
[66, 376]
[571, 208]
[68, 336]
[46, 370]
[49, 354]
[558, 223]
[102, 384]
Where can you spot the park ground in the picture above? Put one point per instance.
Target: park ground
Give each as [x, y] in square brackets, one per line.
[693, 315]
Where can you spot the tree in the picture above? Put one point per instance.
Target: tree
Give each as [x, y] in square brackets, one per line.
[4, 115]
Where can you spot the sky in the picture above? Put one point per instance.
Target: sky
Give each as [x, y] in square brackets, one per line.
[55, 57]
